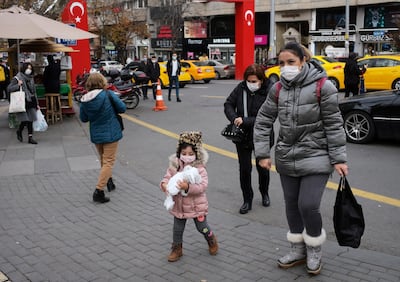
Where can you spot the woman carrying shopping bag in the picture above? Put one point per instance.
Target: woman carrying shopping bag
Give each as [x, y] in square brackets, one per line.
[24, 80]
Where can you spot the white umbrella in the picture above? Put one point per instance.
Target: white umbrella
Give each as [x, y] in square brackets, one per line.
[17, 23]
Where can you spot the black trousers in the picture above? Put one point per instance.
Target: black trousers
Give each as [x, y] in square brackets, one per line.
[353, 88]
[245, 152]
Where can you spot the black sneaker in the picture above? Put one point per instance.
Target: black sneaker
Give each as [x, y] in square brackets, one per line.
[19, 136]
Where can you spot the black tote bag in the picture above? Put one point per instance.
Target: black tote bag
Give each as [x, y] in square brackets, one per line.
[348, 218]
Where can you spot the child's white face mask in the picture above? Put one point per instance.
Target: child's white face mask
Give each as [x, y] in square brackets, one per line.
[187, 159]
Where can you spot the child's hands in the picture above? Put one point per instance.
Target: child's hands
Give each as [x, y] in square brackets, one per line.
[164, 187]
[182, 185]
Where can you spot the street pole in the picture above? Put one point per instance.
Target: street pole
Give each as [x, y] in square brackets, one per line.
[272, 51]
[346, 35]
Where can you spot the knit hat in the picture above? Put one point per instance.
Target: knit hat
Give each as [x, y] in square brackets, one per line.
[192, 138]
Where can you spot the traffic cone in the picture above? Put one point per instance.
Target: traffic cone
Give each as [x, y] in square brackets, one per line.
[160, 106]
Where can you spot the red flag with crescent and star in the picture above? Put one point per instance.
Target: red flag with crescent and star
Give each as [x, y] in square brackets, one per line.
[75, 14]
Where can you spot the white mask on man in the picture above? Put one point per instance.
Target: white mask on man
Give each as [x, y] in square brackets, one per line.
[28, 71]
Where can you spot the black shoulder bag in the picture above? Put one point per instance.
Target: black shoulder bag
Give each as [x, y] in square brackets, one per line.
[119, 118]
[233, 132]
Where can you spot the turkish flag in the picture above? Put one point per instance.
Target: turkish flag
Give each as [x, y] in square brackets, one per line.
[75, 14]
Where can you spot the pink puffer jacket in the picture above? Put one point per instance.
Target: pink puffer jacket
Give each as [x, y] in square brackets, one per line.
[195, 204]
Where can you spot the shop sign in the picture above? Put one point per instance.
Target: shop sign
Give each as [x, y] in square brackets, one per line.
[331, 38]
[221, 41]
[375, 37]
[161, 43]
[260, 39]
[194, 41]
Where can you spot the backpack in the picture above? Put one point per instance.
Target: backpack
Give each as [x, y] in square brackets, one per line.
[2, 74]
[320, 83]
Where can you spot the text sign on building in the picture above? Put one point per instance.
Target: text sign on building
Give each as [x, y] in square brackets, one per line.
[67, 42]
[260, 40]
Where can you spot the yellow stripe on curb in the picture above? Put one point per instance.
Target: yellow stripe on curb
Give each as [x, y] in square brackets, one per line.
[232, 155]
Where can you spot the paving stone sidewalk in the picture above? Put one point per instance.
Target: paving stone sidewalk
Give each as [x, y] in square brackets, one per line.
[50, 230]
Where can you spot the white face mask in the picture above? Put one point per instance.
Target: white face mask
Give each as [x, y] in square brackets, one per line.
[289, 72]
[28, 71]
[187, 159]
[253, 86]
[174, 58]
[154, 61]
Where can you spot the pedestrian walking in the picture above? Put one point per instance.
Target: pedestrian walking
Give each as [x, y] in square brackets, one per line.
[100, 107]
[144, 67]
[352, 74]
[24, 80]
[193, 202]
[154, 74]
[311, 144]
[173, 70]
[252, 92]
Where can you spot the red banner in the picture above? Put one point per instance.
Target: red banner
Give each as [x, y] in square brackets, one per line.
[75, 14]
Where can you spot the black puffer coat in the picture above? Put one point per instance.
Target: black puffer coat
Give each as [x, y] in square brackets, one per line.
[311, 135]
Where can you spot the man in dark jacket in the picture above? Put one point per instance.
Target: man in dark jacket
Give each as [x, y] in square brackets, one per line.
[51, 76]
[173, 70]
[154, 74]
[352, 75]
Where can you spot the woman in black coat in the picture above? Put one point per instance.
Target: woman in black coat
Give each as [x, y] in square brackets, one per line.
[352, 74]
[51, 76]
[255, 87]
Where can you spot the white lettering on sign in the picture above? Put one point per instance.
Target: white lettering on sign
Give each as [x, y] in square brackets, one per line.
[194, 41]
[221, 40]
[330, 38]
[374, 38]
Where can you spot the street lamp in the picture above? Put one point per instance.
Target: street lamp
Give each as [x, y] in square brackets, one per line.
[272, 47]
[346, 35]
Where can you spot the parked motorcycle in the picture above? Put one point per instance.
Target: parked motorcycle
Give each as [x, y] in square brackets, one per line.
[127, 91]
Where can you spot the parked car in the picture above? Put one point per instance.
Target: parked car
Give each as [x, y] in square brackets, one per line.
[199, 70]
[107, 66]
[222, 69]
[184, 77]
[383, 72]
[334, 70]
[371, 115]
[273, 62]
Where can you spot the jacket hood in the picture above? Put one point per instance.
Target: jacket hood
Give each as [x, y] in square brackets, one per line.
[308, 74]
[90, 95]
[175, 163]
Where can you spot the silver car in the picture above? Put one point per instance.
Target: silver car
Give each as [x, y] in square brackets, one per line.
[222, 69]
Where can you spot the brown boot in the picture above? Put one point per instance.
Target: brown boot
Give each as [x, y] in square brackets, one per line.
[176, 252]
[212, 245]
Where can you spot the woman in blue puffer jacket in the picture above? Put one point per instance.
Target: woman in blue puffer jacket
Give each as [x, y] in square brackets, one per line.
[100, 107]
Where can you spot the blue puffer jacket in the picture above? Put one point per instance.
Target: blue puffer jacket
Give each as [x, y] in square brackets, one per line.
[96, 108]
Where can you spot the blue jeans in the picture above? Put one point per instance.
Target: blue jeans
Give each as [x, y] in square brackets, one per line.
[173, 80]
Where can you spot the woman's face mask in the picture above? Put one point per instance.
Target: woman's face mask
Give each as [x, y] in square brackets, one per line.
[28, 71]
[253, 86]
[289, 72]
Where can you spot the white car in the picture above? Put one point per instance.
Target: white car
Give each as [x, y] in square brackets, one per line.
[110, 65]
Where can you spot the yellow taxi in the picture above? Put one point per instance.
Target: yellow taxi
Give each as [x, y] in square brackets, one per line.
[199, 70]
[184, 77]
[383, 72]
[334, 70]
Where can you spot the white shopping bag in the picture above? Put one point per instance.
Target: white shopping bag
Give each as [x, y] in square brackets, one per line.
[40, 123]
[17, 102]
